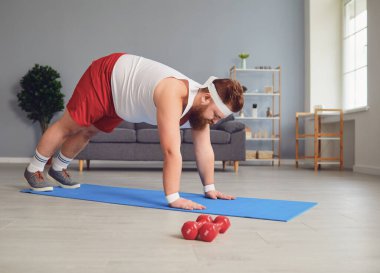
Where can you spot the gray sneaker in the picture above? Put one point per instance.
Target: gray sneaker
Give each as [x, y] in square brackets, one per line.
[37, 181]
[62, 178]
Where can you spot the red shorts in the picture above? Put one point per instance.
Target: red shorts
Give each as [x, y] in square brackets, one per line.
[91, 102]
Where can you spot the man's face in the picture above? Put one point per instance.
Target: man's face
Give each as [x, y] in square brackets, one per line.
[202, 115]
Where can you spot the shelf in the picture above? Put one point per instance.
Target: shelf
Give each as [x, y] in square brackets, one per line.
[325, 113]
[262, 160]
[311, 161]
[319, 138]
[319, 135]
[259, 118]
[255, 70]
[261, 94]
[257, 92]
[263, 139]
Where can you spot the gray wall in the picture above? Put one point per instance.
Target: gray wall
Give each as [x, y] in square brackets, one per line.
[198, 38]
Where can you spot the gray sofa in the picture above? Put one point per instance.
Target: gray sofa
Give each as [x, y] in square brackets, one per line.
[140, 142]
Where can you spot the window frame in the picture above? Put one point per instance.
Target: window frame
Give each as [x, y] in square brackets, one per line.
[354, 105]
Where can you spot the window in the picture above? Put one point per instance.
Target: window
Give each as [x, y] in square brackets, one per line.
[354, 54]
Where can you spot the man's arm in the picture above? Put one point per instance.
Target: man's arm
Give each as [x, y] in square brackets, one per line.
[204, 155]
[168, 101]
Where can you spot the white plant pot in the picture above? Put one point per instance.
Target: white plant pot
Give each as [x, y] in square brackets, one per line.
[243, 63]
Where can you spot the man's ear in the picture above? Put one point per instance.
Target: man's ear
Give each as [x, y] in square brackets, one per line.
[205, 99]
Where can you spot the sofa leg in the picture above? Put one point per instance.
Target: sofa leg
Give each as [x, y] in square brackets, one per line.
[224, 165]
[236, 166]
[80, 166]
[88, 164]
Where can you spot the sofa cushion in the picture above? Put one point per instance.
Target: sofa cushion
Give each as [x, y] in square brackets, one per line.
[217, 137]
[126, 125]
[220, 122]
[147, 136]
[231, 126]
[143, 125]
[150, 136]
[119, 135]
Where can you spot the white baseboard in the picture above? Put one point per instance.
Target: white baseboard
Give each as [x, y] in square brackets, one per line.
[284, 162]
[367, 169]
[107, 162]
[15, 159]
[288, 162]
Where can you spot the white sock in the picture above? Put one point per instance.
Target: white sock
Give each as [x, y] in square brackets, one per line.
[37, 163]
[61, 162]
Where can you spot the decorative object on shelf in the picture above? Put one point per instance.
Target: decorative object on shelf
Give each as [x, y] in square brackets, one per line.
[248, 133]
[264, 154]
[268, 89]
[318, 106]
[269, 113]
[251, 154]
[263, 67]
[243, 57]
[254, 110]
[244, 88]
[241, 113]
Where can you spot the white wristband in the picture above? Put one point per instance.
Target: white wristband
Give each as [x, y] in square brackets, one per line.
[210, 187]
[172, 197]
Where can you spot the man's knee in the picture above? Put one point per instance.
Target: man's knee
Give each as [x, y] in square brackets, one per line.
[88, 133]
[68, 125]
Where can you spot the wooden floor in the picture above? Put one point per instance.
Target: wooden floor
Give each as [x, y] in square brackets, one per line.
[44, 234]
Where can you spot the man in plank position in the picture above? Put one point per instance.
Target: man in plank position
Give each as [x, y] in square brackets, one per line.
[132, 88]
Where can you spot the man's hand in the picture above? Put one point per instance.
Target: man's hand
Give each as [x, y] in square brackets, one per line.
[186, 204]
[218, 195]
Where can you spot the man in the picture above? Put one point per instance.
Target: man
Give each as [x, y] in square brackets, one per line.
[132, 88]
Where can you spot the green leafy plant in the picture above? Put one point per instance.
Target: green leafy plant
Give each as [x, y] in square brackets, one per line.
[243, 55]
[41, 95]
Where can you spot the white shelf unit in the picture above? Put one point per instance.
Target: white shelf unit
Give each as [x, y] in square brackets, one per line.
[275, 99]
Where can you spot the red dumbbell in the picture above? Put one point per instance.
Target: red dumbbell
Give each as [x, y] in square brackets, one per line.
[190, 228]
[209, 231]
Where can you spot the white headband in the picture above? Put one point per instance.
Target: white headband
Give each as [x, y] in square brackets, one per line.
[215, 96]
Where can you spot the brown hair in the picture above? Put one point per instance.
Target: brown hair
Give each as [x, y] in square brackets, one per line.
[231, 93]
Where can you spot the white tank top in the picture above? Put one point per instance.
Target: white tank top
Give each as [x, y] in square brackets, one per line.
[133, 82]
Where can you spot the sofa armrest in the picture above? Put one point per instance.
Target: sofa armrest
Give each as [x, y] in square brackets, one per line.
[231, 126]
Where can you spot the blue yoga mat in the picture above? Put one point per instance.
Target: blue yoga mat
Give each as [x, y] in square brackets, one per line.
[267, 209]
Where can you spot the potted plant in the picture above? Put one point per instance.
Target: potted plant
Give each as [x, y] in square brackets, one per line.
[243, 57]
[40, 96]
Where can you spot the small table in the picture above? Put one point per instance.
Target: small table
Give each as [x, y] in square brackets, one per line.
[319, 136]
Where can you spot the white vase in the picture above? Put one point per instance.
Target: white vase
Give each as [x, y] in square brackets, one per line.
[243, 64]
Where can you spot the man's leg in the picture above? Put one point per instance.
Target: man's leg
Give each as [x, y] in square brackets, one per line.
[70, 148]
[57, 134]
[51, 140]
[76, 143]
